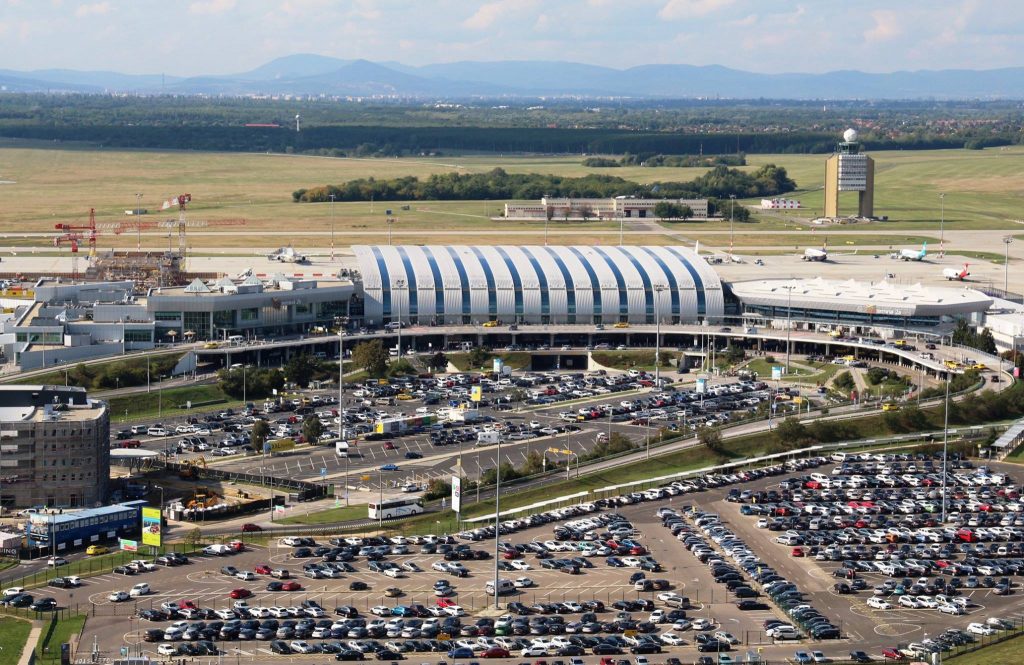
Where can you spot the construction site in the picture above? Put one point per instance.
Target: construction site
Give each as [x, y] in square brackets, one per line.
[147, 269]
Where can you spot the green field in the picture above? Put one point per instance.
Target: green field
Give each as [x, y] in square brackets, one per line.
[329, 516]
[983, 191]
[168, 402]
[13, 635]
[54, 634]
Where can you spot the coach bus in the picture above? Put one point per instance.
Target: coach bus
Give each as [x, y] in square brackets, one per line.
[390, 508]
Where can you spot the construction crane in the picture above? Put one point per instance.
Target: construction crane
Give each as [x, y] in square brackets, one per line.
[182, 201]
[73, 238]
[128, 226]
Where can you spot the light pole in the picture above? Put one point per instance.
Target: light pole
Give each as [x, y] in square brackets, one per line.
[621, 222]
[732, 207]
[390, 222]
[342, 416]
[400, 284]
[1007, 241]
[789, 320]
[658, 288]
[160, 487]
[380, 509]
[332, 227]
[138, 224]
[497, 522]
[942, 224]
[945, 446]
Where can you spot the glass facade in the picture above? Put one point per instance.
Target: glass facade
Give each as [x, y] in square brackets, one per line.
[197, 322]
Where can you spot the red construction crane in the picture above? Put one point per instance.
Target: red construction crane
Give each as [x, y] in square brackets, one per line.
[128, 226]
[73, 238]
[90, 227]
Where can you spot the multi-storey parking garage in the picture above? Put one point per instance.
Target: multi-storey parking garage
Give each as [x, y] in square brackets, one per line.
[434, 285]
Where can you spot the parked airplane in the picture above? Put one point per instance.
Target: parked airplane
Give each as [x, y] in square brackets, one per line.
[913, 254]
[812, 254]
[952, 273]
[287, 255]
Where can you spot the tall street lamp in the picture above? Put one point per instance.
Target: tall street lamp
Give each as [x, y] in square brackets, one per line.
[942, 224]
[732, 208]
[400, 284]
[342, 416]
[332, 227]
[1007, 241]
[658, 288]
[497, 523]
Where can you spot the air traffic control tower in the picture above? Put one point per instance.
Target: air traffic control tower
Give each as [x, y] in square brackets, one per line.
[850, 170]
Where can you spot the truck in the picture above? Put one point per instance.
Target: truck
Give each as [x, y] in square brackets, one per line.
[341, 448]
[488, 438]
[403, 424]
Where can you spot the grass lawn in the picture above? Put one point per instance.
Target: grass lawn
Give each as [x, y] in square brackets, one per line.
[132, 372]
[7, 563]
[630, 359]
[55, 634]
[13, 634]
[171, 401]
[514, 359]
[981, 188]
[824, 373]
[328, 516]
[764, 368]
[1007, 651]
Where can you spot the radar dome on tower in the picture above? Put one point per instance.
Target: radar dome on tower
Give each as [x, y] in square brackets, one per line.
[850, 135]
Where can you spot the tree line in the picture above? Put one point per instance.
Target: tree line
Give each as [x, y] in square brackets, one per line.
[720, 182]
[653, 160]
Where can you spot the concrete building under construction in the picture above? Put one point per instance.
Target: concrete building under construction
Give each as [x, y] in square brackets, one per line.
[146, 269]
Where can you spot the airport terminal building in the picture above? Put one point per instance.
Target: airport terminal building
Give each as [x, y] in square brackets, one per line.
[459, 285]
[449, 285]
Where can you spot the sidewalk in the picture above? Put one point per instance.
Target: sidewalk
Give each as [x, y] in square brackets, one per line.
[31, 643]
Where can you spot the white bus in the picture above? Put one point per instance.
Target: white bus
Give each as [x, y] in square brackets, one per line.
[390, 508]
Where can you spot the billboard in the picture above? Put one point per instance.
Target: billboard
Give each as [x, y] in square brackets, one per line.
[702, 385]
[456, 493]
[476, 393]
[499, 364]
[151, 526]
[776, 373]
[128, 545]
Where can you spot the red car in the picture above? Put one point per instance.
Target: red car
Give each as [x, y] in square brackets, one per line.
[291, 586]
[240, 593]
[893, 654]
[251, 528]
[389, 446]
[237, 545]
[510, 554]
[262, 569]
[187, 604]
[495, 652]
[797, 551]
[444, 602]
[637, 550]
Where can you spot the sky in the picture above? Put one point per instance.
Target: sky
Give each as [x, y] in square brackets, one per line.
[190, 37]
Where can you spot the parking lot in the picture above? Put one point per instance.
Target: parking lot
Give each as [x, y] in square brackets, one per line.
[708, 551]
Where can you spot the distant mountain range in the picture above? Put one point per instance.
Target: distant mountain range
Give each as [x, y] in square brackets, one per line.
[308, 74]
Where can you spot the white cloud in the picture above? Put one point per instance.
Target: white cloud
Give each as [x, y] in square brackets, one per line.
[680, 9]
[887, 26]
[211, 7]
[746, 21]
[93, 9]
[489, 13]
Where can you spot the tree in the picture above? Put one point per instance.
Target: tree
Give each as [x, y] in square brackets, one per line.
[479, 356]
[438, 362]
[312, 429]
[734, 354]
[372, 357]
[300, 369]
[668, 210]
[791, 433]
[438, 488]
[194, 538]
[844, 381]
[685, 212]
[711, 438]
[533, 464]
[260, 433]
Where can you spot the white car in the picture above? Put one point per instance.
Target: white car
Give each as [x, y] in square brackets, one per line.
[672, 639]
[879, 603]
[55, 561]
[140, 589]
[520, 565]
[301, 646]
[166, 649]
[682, 624]
[949, 608]
[246, 575]
[522, 582]
[118, 596]
[818, 657]
[14, 591]
[668, 595]
[909, 602]
[393, 572]
[703, 624]
[980, 629]
[73, 580]
[381, 610]
[455, 611]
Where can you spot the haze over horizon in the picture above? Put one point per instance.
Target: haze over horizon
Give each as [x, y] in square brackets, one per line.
[200, 37]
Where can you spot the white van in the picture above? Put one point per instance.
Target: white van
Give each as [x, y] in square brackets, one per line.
[236, 340]
[488, 438]
[157, 431]
[504, 587]
[140, 589]
[341, 448]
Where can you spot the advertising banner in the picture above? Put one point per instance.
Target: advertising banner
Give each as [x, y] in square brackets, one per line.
[476, 393]
[128, 545]
[776, 373]
[702, 385]
[151, 526]
[456, 494]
